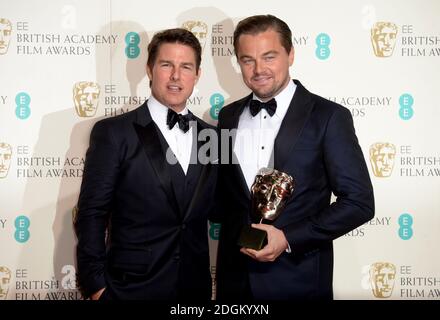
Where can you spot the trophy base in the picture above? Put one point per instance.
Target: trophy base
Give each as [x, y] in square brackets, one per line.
[252, 238]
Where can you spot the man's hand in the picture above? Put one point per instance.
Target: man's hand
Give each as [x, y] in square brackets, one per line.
[276, 244]
[97, 294]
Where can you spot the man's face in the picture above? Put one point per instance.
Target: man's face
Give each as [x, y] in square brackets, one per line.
[5, 159]
[383, 161]
[270, 193]
[383, 282]
[173, 75]
[264, 63]
[5, 35]
[5, 278]
[384, 41]
[87, 101]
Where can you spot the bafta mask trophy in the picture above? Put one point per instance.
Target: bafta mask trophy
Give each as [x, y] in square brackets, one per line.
[269, 193]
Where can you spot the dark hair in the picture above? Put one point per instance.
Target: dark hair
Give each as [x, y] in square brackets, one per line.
[260, 23]
[177, 35]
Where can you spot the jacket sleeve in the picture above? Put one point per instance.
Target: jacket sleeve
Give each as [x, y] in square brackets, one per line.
[349, 180]
[100, 173]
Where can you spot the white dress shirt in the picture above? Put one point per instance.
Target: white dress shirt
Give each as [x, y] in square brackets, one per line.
[256, 135]
[180, 142]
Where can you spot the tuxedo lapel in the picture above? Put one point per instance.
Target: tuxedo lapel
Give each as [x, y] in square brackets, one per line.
[299, 110]
[148, 135]
[197, 173]
[194, 167]
[231, 123]
[239, 174]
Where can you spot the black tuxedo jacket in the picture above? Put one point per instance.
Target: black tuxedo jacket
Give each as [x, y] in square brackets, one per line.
[317, 145]
[154, 217]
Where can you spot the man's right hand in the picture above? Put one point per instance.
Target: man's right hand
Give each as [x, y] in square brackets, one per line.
[97, 294]
[276, 244]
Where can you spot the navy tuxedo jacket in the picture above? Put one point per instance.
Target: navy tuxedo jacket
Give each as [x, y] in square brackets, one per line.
[154, 216]
[317, 145]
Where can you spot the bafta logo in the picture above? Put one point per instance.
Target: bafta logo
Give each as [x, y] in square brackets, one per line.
[382, 275]
[5, 159]
[382, 156]
[86, 98]
[199, 29]
[5, 35]
[5, 279]
[383, 38]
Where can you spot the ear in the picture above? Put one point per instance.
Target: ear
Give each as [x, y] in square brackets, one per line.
[291, 56]
[149, 72]
[199, 73]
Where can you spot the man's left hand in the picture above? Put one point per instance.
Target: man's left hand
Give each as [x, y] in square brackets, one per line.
[276, 244]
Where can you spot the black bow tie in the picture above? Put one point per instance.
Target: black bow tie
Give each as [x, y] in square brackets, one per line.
[183, 121]
[255, 107]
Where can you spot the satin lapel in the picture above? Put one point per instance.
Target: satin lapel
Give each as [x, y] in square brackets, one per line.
[195, 168]
[232, 124]
[149, 137]
[203, 177]
[239, 174]
[299, 110]
[198, 190]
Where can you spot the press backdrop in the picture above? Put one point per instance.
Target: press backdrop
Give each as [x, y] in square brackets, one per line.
[380, 59]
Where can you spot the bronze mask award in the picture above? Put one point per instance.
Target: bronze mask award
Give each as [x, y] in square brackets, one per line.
[269, 194]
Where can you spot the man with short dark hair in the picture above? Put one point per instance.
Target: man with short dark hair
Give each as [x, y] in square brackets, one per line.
[143, 184]
[310, 139]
